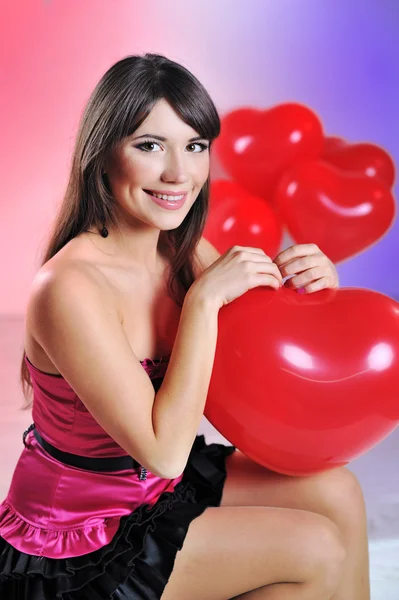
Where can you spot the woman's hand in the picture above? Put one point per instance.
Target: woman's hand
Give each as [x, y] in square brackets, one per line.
[235, 272]
[312, 269]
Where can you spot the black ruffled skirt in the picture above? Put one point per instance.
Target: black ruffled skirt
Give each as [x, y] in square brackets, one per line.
[137, 563]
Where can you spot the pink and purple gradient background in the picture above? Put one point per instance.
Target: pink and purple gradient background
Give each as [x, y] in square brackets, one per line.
[337, 57]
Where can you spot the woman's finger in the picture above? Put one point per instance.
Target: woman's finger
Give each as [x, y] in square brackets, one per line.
[306, 277]
[296, 251]
[301, 264]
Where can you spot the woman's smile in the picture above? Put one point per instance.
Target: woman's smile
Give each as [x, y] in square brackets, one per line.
[169, 202]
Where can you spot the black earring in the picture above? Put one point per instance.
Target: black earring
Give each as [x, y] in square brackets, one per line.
[104, 231]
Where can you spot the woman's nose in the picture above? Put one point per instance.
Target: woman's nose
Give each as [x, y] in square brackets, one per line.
[175, 170]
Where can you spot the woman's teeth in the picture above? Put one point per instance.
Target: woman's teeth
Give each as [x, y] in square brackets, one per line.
[169, 198]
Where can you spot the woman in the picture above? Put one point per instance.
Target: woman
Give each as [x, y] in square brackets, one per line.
[127, 276]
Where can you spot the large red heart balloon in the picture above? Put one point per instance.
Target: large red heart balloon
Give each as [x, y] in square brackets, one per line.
[361, 158]
[238, 217]
[342, 213]
[306, 383]
[256, 146]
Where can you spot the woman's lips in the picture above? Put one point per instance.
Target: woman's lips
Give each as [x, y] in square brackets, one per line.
[168, 204]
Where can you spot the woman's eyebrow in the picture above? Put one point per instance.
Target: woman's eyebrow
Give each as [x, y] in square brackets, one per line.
[163, 139]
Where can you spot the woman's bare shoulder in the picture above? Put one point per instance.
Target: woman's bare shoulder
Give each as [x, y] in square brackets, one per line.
[58, 274]
[79, 272]
[73, 260]
[55, 277]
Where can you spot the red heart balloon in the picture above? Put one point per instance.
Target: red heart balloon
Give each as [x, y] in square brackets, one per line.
[306, 383]
[361, 158]
[342, 213]
[237, 217]
[332, 143]
[255, 146]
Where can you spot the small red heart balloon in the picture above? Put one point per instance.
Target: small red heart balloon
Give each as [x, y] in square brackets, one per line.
[306, 383]
[342, 213]
[255, 146]
[361, 158]
[238, 217]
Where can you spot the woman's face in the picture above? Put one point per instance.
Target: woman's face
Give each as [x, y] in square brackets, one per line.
[174, 165]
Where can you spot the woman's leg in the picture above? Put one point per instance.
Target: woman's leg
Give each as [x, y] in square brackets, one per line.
[230, 551]
[335, 494]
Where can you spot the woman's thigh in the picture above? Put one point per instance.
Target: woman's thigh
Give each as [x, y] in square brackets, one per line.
[231, 550]
[327, 493]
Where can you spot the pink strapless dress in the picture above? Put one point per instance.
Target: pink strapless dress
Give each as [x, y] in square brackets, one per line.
[76, 534]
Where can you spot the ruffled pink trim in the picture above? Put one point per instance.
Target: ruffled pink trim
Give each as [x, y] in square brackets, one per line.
[53, 543]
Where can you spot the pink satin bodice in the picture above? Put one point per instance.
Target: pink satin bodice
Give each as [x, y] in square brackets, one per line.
[64, 421]
[59, 511]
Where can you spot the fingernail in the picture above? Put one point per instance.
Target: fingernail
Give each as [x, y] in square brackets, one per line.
[301, 290]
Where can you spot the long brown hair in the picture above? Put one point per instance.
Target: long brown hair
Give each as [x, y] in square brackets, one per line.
[120, 102]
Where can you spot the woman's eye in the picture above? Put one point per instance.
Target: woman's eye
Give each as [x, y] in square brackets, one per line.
[201, 145]
[144, 146]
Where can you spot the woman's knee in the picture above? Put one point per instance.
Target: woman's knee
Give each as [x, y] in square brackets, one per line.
[333, 550]
[329, 554]
[342, 495]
